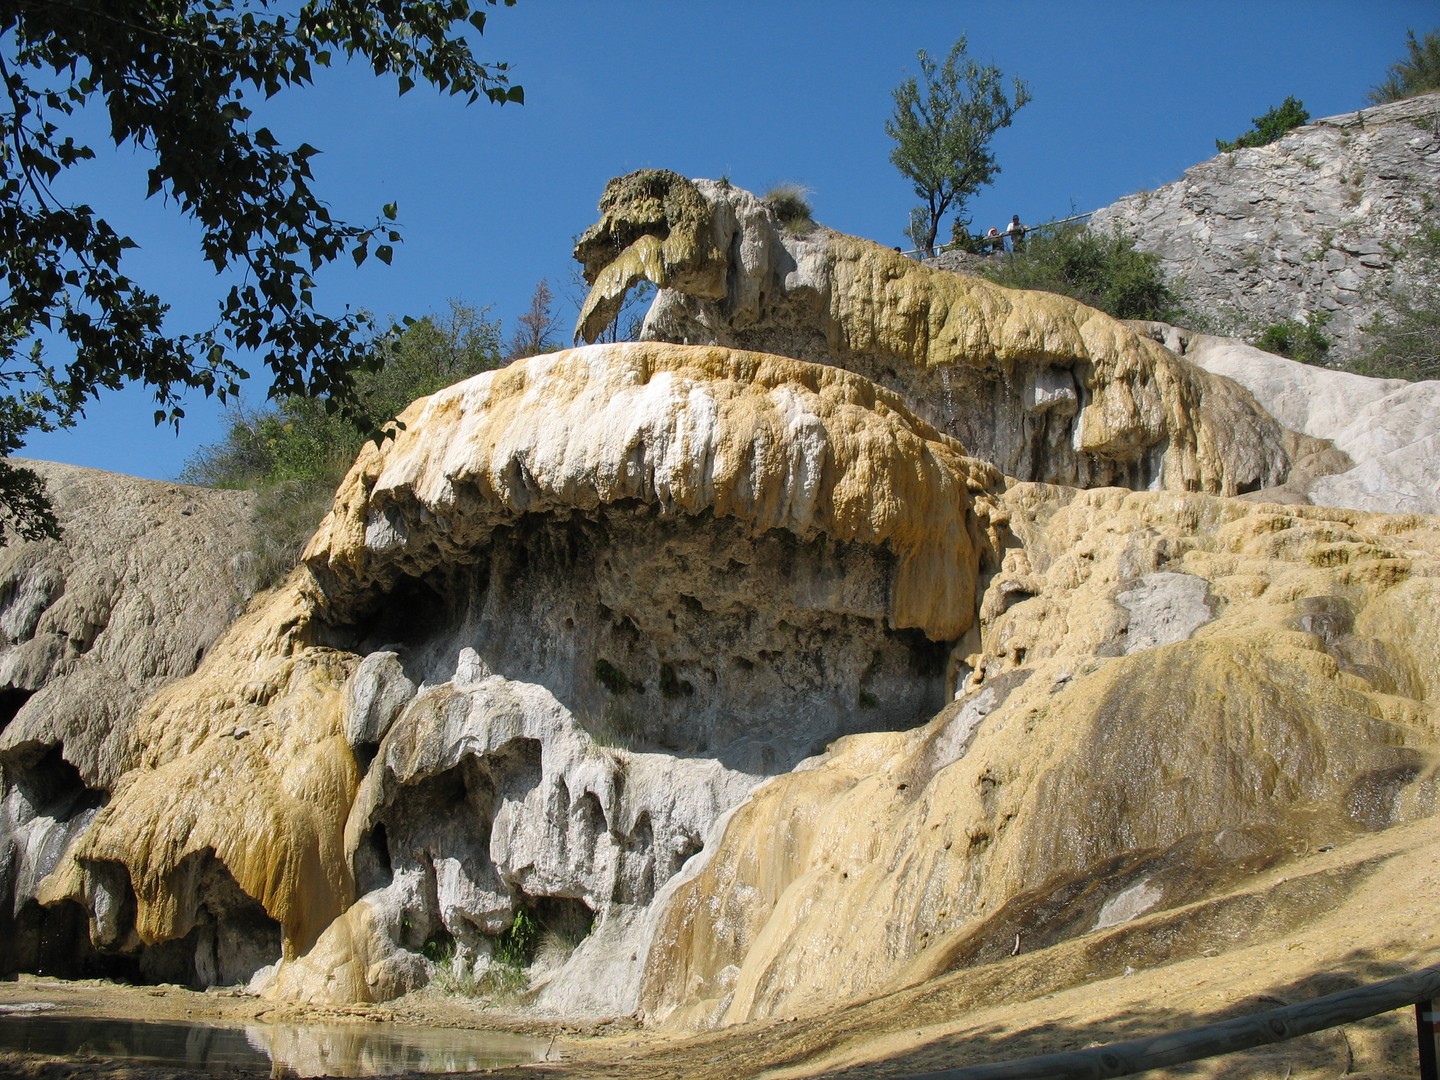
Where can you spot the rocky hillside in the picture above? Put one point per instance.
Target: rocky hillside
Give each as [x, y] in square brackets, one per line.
[1316, 223]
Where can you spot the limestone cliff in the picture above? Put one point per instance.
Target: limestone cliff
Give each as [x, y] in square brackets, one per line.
[1314, 223]
[143, 580]
[1041, 386]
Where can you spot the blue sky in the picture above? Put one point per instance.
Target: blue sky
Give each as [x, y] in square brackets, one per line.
[1127, 95]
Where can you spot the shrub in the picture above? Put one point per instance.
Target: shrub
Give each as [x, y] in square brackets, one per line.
[1102, 270]
[1299, 340]
[1289, 114]
[515, 947]
[790, 203]
[1404, 341]
[1417, 73]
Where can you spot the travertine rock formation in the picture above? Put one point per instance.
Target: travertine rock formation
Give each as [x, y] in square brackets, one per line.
[1172, 692]
[1380, 434]
[1315, 223]
[1039, 385]
[143, 580]
[714, 562]
[750, 685]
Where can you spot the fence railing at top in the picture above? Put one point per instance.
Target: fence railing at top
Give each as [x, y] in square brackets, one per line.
[940, 249]
[1418, 988]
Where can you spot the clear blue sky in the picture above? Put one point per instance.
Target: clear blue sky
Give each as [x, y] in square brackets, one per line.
[1127, 95]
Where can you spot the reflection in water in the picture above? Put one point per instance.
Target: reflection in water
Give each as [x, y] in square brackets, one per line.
[282, 1049]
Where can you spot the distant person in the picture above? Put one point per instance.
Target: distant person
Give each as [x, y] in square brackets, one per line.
[994, 241]
[1014, 234]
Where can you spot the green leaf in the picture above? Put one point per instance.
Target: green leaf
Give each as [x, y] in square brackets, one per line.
[390, 210]
[384, 253]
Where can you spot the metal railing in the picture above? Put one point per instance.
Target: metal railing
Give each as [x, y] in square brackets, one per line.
[1419, 988]
[1030, 230]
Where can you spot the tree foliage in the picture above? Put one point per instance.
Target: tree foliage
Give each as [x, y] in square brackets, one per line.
[942, 131]
[1103, 270]
[295, 451]
[1417, 73]
[176, 80]
[1290, 113]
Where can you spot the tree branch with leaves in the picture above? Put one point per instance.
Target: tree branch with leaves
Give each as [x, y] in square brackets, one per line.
[176, 79]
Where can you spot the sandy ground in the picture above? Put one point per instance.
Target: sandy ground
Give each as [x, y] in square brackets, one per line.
[1362, 912]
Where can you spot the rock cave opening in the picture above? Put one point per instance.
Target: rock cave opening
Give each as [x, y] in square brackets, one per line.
[49, 784]
[231, 936]
[668, 632]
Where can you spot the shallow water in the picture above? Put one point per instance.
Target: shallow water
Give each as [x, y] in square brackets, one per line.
[358, 1049]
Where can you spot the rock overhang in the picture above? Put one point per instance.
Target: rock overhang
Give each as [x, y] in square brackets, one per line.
[769, 443]
[1040, 385]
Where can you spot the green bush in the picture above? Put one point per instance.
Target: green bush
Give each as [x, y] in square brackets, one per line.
[515, 947]
[1304, 341]
[1289, 114]
[1099, 269]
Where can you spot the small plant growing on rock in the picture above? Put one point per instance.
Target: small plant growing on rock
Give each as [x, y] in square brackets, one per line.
[790, 204]
[515, 947]
[1404, 341]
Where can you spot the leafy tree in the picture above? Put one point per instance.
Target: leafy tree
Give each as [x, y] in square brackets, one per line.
[295, 451]
[535, 330]
[942, 134]
[1417, 73]
[1102, 270]
[1288, 114]
[175, 79]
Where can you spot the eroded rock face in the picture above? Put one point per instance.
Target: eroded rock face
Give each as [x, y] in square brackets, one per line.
[1379, 434]
[144, 578]
[1041, 386]
[743, 680]
[545, 640]
[1173, 691]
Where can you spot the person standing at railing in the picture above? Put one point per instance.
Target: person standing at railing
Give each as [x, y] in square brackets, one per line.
[1014, 234]
[994, 241]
